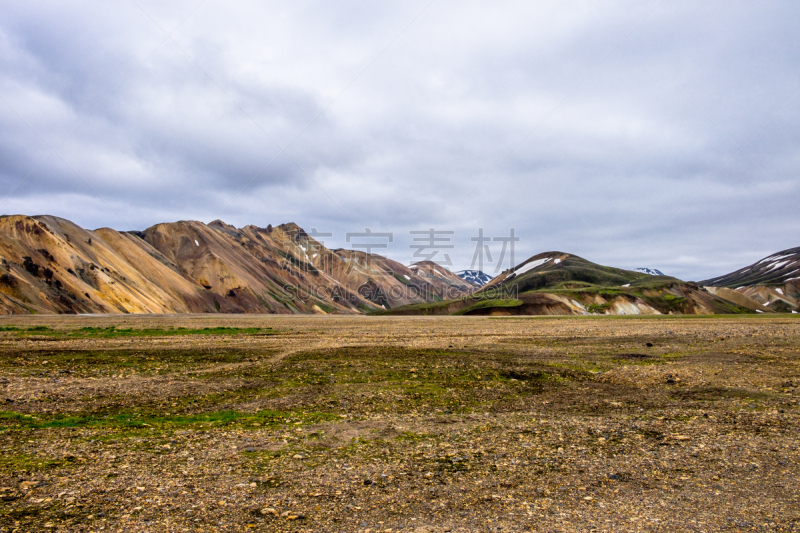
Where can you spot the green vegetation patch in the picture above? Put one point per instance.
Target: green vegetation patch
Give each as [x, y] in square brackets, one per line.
[401, 379]
[490, 304]
[113, 332]
[94, 362]
[599, 309]
[123, 420]
[27, 462]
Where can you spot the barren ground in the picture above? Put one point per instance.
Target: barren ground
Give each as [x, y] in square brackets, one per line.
[399, 424]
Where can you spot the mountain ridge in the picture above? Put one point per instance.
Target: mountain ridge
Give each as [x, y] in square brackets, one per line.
[51, 265]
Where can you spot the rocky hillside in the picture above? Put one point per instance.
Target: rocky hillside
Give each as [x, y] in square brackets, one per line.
[50, 265]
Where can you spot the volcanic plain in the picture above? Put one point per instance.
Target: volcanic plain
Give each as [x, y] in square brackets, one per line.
[413, 424]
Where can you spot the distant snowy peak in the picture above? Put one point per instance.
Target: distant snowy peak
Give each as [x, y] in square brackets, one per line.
[649, 271]
[477, 277]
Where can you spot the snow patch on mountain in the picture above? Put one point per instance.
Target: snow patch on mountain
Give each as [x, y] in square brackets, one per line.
[531, 265]
[477, 277]
[649, 271]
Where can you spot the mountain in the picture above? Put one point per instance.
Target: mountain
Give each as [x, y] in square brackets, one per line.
[50, 265]
[649, 271]
[772, 283]
[476, 277]
[559, 270]
[558, 283]
[775, 270]
[449, 282]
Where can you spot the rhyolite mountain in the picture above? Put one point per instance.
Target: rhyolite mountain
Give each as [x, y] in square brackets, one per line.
[51, 265]
[558, 283]
[773, 283]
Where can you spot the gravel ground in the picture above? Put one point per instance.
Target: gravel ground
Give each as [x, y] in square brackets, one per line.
[401, 424]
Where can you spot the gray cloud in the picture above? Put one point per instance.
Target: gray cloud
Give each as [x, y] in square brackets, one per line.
[631, 133]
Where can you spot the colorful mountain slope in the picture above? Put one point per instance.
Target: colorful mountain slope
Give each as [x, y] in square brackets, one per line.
[50, 265]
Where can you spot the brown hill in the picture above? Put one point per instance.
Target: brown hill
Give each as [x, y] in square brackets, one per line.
[50, 265]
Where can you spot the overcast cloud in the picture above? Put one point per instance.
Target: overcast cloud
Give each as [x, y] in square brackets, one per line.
[632, 133]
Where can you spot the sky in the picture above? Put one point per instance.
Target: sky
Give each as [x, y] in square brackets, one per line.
[643, 133]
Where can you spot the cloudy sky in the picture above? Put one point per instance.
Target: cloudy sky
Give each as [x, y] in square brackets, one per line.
[632, 133]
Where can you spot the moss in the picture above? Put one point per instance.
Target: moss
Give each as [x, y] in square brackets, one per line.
[132, 419]
[599, 309]
[113, 332]
[325, 307]
[26, 462]
[489, 304]
[400, 278]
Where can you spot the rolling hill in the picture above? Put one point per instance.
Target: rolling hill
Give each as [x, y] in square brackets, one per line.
[557, 283]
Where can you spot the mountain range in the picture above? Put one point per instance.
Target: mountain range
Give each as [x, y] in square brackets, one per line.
[51, 265]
